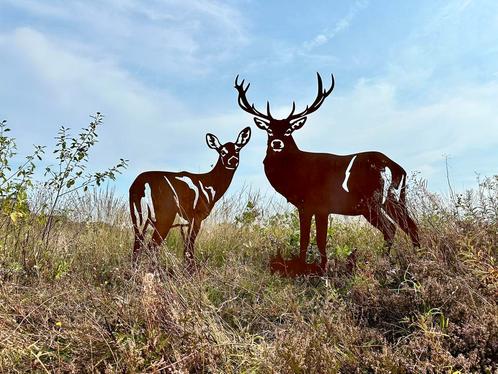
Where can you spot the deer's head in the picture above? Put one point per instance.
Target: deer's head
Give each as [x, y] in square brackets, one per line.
[280, 130]
[229, 152]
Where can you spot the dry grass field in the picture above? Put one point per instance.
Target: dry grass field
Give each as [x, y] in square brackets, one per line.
[72, 302]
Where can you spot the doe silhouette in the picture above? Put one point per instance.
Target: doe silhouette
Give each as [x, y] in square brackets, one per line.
[157, 197]
[319, 184]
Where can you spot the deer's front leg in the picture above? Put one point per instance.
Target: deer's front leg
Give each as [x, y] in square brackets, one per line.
[193, 230]
[322, 223]
[304, 236]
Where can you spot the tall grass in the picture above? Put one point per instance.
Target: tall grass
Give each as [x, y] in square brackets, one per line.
[74, 303]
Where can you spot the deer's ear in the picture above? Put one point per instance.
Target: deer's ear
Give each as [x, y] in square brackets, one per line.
[262, 124]
[295, 125]
[243, 137]
[212, 141]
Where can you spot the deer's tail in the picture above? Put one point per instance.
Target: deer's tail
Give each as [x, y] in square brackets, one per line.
[137, 217]
[398, 179]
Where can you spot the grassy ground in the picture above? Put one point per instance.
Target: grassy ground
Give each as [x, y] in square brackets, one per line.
[73, 302]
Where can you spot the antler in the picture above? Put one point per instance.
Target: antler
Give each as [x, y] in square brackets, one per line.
[320, 97]
[245, 105]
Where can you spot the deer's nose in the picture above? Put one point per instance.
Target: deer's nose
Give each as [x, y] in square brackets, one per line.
[277, 145]
[233, 161]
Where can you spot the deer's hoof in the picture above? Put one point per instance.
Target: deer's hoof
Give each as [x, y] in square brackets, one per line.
[294, 267]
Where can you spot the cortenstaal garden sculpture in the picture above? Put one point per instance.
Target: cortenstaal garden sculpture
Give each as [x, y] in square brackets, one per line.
[157, 197]
[319, 184]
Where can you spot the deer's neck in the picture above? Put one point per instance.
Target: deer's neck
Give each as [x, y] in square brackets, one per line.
[219, 178]
[283, 169]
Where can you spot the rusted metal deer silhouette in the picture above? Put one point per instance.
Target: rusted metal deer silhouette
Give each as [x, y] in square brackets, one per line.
[157, 197]
[320, 183]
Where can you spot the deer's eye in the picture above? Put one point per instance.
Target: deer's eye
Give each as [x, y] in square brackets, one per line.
[270, 132]
[224, 152]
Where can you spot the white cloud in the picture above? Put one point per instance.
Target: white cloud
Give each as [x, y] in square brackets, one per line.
[339, 26]
[159, 36]
[60, 86]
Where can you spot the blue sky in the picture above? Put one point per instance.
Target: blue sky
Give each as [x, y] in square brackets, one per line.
[417, 80]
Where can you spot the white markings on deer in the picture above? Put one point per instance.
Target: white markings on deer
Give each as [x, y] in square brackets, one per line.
[277, 145]
[175, 195]
[211, 191]
[147, 204]
[387, 216]
[146, 207]
[236, 163]
[347, 173]
[205, 189]
[192, 186]
[401, 184]
[387, 176]
[191, 228]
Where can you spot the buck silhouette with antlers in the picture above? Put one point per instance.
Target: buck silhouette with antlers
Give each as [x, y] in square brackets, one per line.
[157, 197]
[319, 184]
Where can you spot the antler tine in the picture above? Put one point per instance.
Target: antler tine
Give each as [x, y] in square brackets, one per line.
[293, 108]
[327, 92]
[320, 85]
[244, 103]
[241, 85]
[320, 97]
[268, 109]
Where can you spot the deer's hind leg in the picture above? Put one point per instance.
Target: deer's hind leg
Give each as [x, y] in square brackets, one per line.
[379, 219]
[398, 211]
[165, 213]
[141, 218]
[304, 233]
[373, 207]
[161, 230]
[322, 223]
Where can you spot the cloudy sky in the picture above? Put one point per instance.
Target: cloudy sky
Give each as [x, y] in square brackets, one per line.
[417, 80]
